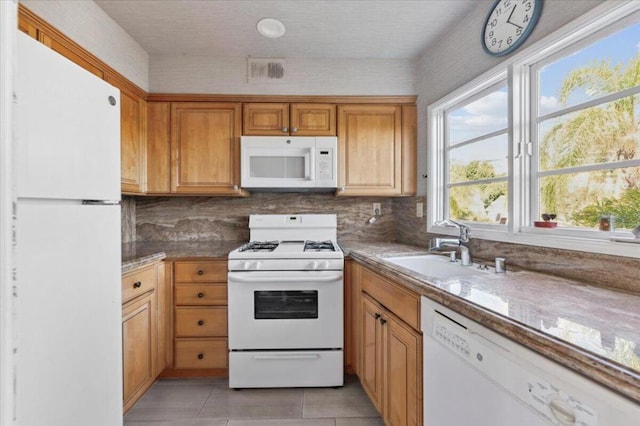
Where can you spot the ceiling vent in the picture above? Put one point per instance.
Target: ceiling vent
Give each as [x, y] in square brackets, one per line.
[266, 70]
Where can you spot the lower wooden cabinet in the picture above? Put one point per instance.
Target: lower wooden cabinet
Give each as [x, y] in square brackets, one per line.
[200, 317]
[390, 352]
[143, 330]
[139, 345]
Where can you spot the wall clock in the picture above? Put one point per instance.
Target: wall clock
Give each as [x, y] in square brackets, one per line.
[509, 24]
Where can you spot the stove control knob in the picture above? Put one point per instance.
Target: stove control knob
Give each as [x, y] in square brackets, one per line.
[324, 265]
[246, 265]
[314, 265]
[258, 265]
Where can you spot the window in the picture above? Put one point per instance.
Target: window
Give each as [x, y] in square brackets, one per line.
[476, 143]
[588, 136]
[555, 130]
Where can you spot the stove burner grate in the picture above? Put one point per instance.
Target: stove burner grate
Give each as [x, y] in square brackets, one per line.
[259, 246]
[319, 246]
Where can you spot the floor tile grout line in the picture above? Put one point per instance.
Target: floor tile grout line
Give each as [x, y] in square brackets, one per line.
[205, 403]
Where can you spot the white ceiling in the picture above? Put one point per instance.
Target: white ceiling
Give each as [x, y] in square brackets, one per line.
[315, 28]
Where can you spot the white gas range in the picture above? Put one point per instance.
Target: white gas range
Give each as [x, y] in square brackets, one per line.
[286, 304]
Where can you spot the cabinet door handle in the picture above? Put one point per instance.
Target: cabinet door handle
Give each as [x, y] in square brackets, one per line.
[200, 272]
[377, 315]
[294, 130]
[200, 295]
[383, 321]
[285, 129]
[200, 322]
[137, 284]
[200, 356]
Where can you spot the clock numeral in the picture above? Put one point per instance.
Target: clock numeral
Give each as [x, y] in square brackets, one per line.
[493, 23]
[507, 3]
[518, 31]
[526, 19]
[527, 7]
[490, 34]
[509, 40]
[493, 42]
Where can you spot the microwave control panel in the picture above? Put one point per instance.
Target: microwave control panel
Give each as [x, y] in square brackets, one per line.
[324, 166]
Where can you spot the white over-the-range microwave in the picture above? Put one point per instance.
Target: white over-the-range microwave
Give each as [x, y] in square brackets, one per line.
[289, 162]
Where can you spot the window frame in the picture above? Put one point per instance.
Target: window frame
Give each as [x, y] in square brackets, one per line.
[523, 120]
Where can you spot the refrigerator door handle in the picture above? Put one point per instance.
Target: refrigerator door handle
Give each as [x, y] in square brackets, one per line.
[101, 202]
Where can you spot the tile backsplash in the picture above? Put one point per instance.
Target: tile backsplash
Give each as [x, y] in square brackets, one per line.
[217, 218]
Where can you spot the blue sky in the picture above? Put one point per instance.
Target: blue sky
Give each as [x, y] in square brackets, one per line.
[618, 48]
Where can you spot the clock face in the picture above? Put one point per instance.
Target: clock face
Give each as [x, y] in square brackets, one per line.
[509, 24]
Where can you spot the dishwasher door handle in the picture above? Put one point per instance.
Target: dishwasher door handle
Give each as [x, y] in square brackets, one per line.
[285, 357]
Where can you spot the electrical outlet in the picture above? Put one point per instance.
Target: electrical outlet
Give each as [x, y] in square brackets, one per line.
[376, 209]
[419, 209]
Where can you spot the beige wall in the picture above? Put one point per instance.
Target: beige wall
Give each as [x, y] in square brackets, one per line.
[89, 26]
[201, 74]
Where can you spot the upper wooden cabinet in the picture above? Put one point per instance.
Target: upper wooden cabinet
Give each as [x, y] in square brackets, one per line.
[298, 119]
[158, 147]
[205, 148]
[133, 113]
[376, 150]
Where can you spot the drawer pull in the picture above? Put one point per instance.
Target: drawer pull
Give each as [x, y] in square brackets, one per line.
[200, 356]
[377, 315]
[200, 322]
[200, 295]
[383, 321]
[200, 272]
[137, 284]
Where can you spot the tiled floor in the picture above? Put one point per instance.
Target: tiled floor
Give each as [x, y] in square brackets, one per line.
[210, 402]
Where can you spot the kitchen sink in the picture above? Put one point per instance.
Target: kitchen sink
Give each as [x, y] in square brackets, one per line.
[436, 266]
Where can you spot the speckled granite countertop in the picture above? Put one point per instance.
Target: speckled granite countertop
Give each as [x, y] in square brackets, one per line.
[135, 255]
[591, 330]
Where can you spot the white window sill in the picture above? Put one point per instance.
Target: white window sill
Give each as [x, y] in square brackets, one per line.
[565, 239]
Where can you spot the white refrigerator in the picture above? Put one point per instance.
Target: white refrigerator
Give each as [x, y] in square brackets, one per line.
[68, 253]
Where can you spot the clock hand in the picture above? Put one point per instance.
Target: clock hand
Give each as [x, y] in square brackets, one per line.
[510, 15]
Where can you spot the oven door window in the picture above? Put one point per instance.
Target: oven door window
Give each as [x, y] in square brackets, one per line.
[285, 304]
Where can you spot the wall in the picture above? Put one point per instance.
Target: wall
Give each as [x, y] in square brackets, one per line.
[201, 74]
[88, 25]
[217, 218]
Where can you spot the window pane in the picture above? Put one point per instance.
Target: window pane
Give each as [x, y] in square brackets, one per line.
[480, 117]
[602, 134]
[604, 67]
[579, 199]
[485, 203]
[480, 160]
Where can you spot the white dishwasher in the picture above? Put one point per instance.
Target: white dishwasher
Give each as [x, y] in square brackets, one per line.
[473, 376]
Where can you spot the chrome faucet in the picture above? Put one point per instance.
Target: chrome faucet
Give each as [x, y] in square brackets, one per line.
[437, 244]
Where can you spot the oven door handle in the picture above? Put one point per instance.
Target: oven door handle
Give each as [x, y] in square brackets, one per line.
[244, 277]
[280, 357]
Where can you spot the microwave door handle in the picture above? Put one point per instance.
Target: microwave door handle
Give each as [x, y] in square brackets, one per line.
[309, 160]
[243, 278]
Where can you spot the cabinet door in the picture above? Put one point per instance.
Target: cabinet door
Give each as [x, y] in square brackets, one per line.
[371, 346]
[132, 138]
[369, 150]
[139, 334]
[267, 119]
[205, 148]
[409, 150]
[402, 374]
[158, 148]
[313, 120]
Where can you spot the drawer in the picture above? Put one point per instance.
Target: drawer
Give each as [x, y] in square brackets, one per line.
[403, 303]
[201, 322]
[201, 294]
[201, 353]
[200, 271]
[139, 282]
